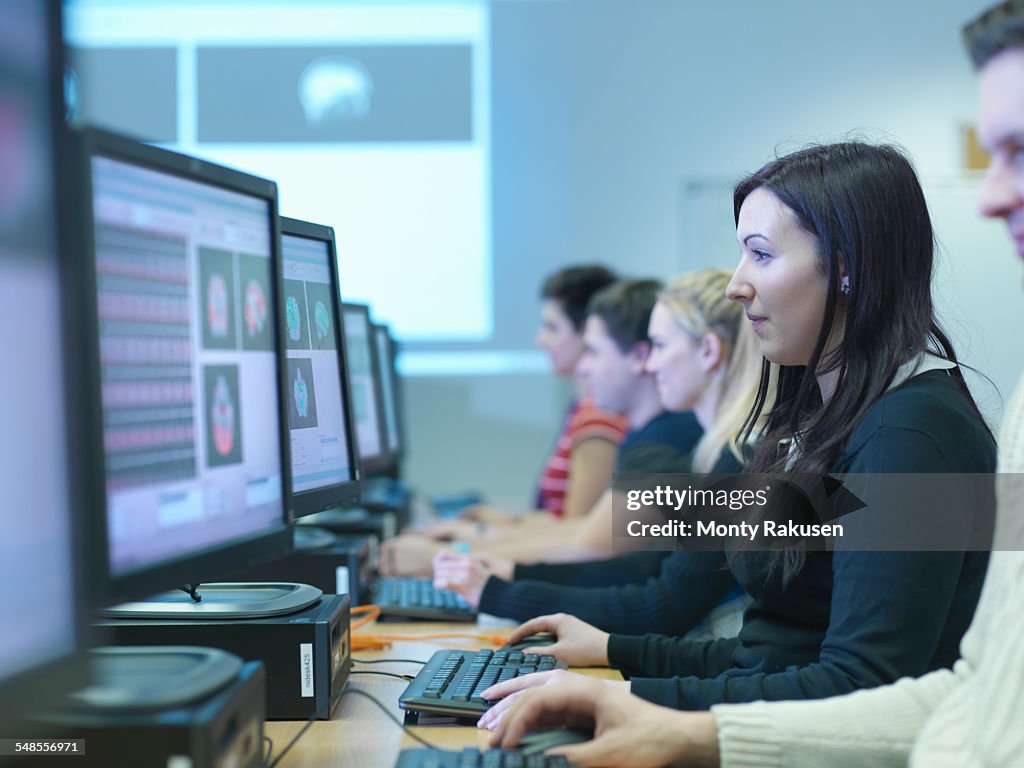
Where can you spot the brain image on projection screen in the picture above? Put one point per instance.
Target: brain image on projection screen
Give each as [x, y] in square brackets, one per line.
[335, 89]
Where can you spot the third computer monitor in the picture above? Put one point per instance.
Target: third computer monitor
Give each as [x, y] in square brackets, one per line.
[389, 396]
[366, 405]
[323, 443]
[182, 280]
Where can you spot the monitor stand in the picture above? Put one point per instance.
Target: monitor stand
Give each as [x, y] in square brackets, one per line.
[143, 679]
[332, 516]
[243, 600]
[306, 538]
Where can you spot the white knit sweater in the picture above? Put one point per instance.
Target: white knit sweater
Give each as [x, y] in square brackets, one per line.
[972, 715]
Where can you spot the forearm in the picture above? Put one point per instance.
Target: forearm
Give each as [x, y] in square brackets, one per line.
[661, 658]
[865, 728]
[528, 544]
[635, 568]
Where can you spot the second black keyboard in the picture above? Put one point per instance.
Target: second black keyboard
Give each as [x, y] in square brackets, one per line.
[471, 758]
[418, 599]
[452, 681]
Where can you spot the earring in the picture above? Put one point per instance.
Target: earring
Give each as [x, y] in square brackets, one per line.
[845, 287]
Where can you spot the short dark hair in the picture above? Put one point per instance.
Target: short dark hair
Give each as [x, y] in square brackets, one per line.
[573, 287]
[997, 29]
[625, 307]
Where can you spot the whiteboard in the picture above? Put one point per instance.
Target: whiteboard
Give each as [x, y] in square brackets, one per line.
[978, 283]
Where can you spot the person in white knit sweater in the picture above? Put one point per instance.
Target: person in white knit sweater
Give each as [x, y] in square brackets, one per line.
[971, 715]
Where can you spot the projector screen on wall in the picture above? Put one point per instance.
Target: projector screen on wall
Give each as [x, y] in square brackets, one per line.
[371, 117]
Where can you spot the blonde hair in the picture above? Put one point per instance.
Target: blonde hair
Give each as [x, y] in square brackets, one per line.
[698, 305]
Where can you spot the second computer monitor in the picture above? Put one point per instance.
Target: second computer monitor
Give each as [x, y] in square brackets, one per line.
[324, 459]
[366, 400]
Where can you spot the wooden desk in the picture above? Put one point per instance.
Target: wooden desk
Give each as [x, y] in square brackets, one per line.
[360, 735]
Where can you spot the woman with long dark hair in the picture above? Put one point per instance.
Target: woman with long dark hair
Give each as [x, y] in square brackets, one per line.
[835, 278]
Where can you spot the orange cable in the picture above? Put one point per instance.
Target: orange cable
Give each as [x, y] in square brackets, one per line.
[376, 640]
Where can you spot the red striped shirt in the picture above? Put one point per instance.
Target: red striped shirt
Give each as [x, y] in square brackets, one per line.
[584, 422]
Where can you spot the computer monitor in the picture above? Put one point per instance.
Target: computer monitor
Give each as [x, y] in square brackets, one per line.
[181, 282]
[389, 388]
[323, 442]
[366, 401]
[42, 561]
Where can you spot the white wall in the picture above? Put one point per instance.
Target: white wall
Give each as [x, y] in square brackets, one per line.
[604, 110]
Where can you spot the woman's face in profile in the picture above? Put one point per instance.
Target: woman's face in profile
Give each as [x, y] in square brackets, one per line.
[780, 281]
[674, 362]
[558, 337]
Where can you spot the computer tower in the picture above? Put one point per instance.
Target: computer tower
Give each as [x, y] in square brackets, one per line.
[224, 729]
[306, 654]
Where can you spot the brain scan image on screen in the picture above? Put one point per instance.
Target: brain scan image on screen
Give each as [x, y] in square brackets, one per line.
[222, 418]
[302, 394]
[293, 319]
[322, 332]
[217, 306]
[296, 316]
[258, 333]
[322, 318]
[217, 286]
[255, 309]
[223, 415]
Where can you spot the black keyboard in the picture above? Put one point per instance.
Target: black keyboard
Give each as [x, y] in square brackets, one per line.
[452, 681]
[417, 599]
[472, 758]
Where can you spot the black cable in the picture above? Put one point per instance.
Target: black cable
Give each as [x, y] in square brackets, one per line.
[191, 591]
[388, 661]
[270, 750]
[292, 742]
[391, 716]
[406, 678]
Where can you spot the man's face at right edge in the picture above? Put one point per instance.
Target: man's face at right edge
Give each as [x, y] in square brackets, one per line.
[1001, 132]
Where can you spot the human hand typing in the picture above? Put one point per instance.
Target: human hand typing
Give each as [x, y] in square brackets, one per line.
[578, 644]
[628, 731]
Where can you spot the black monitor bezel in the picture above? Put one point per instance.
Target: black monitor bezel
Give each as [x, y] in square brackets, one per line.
[310, 502]
[219, 560]
[380, 463]
[388, 368]
[50, 679]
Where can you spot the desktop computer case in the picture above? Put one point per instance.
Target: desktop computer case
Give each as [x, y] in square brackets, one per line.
[306, 654]
[224, 729]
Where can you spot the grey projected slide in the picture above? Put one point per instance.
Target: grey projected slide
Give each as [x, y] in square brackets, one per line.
[383, 93]
[134, 90]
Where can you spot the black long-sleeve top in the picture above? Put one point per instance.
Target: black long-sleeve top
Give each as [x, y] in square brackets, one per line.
[849, 619]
